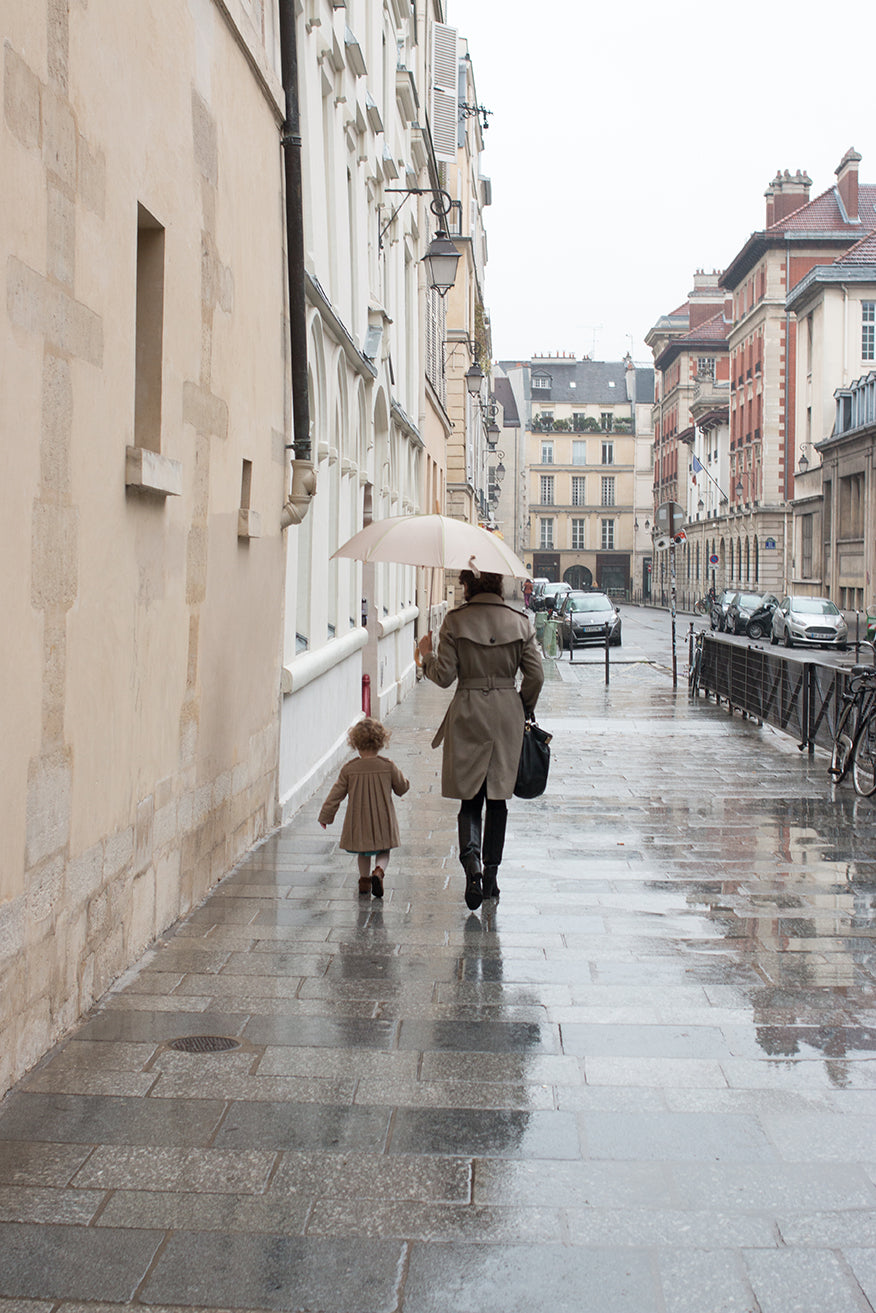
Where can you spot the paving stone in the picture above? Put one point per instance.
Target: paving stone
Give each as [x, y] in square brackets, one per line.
[705, 1281]
[453, 1278]
[236, 1271]
[473, 1132]
[77, 1262]
[666, 1136]
[303, 1126]
[793, 1281]
[83, 1119]
[213, 1170]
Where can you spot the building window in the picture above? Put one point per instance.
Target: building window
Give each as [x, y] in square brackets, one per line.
[578, 490]
[706, 367]
[608, 535]
[578, 535]
[607, 490]
[579, 453]
[608, 453]
[541, 382]
[868, 330]
[149, 348]
[547, 453]
[546, 483]
[606, 421]
[806, 546]
[546, 533]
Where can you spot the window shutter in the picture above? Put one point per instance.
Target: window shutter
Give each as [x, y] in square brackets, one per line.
[444, 84]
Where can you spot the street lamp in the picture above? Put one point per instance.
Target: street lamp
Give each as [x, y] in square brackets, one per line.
[474, 378]
[803, 462]
[440, 261]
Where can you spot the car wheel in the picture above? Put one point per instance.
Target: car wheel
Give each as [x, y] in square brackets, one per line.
[842, 647]
[756, 630]
[787, 639]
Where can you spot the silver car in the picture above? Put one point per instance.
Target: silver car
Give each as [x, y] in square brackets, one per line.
[811, 621]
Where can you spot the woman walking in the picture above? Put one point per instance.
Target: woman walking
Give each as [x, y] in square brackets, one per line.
[482, 645]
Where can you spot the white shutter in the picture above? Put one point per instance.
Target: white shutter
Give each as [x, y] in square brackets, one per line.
[444, 95]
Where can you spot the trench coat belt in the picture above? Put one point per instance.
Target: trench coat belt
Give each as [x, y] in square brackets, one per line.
[488, 682]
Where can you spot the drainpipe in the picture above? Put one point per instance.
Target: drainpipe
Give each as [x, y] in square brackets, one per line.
[303, 472]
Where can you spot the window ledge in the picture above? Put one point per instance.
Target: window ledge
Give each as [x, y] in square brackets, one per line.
[151, 472]
[249, 524]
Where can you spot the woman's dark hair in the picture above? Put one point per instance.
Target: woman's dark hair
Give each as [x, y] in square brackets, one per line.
[481, 583]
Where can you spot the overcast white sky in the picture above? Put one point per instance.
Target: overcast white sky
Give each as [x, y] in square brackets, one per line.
[630, 144]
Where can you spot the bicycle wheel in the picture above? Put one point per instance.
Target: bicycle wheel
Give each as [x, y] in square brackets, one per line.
[843, 741]
[702, 606]
[864, 763]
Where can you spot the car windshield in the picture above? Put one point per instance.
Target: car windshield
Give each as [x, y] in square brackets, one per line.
[749, 599]
[590, 604]
[813, 606]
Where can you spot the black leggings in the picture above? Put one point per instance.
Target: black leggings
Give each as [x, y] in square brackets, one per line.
[470, 814]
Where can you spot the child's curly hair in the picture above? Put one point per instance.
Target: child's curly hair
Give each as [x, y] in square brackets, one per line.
[368, 735]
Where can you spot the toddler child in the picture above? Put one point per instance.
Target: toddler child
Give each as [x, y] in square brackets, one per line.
[370, 825]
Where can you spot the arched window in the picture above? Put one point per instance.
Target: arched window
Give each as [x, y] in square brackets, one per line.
[756, 561]
[747, 561]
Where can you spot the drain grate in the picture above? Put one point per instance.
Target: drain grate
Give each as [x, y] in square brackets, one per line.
[204, 1044]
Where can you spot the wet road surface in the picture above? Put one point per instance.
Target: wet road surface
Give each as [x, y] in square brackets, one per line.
[641, 1083]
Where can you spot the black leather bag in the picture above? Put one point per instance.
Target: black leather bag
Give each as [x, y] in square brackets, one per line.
[535, 760]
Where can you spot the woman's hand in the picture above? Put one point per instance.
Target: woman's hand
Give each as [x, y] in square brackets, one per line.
[424, 647]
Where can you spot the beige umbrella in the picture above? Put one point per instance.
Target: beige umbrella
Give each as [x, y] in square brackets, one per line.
[435, 540]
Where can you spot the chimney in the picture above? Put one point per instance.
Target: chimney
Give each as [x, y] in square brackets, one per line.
[786, 194]
[847, 182]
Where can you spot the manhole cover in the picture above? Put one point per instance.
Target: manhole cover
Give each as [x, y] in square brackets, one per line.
[204, 1044]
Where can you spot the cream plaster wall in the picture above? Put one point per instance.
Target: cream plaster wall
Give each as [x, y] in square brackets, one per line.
[140, 698]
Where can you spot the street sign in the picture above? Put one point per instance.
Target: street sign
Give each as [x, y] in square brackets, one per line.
[713, 560]
[770, 544]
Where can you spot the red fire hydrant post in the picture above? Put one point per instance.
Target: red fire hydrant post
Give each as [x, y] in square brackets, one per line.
[366, 694]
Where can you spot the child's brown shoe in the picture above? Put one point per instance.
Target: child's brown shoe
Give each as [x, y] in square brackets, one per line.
[377, 882]
[364, 884]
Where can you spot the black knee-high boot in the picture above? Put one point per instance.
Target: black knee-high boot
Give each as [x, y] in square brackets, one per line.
[494, 845]
[469, 823]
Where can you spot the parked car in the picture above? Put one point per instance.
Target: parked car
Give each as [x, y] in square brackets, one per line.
[583, 618]
[550, 598]
[751, 614]
[815, 621]
[718, 617]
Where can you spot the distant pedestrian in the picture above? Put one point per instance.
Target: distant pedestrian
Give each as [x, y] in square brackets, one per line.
[370, 824]
[527, 594]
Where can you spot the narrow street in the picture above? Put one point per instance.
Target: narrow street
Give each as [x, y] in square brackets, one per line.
[641, 1083]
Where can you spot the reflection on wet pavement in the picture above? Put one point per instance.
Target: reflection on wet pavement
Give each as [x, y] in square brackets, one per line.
[645, 1080]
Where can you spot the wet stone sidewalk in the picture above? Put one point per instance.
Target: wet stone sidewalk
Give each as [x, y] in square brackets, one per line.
[642, 1083]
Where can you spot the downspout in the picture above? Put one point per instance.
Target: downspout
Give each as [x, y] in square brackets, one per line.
[303, 472]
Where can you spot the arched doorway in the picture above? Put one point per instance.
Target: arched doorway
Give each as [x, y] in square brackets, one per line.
[578, 576]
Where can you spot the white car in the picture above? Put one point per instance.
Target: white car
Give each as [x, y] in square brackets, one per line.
[811, 621]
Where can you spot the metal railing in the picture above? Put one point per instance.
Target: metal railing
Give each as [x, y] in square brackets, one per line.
[801, 698]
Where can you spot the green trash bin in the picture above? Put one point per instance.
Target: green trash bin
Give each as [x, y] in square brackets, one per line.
[540, 622]
[549, 639]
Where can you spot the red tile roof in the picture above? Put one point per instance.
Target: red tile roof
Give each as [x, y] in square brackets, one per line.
[863, 252]
[716, 329]
[823, 214]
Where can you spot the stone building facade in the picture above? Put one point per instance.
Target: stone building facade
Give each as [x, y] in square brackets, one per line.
[143, 412]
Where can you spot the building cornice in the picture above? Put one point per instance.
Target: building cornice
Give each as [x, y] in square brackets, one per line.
[760, 243]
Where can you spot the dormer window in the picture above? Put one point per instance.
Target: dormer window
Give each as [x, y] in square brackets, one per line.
[541, 382]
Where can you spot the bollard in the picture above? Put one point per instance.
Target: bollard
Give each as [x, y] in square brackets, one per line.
[549, 639]
[366, 694]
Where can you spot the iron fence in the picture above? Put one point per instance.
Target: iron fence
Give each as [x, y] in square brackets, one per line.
[802, 698]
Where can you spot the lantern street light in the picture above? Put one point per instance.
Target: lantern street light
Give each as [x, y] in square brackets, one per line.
[441, 259]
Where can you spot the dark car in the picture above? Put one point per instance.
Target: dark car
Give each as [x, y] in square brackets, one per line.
[550, 597]
[751, 614]
[718, 617]
[583, 618]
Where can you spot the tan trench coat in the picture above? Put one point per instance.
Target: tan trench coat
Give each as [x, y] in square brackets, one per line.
[483, 644]
[370, 824]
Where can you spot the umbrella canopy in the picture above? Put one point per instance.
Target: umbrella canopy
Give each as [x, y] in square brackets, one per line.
[435, 540]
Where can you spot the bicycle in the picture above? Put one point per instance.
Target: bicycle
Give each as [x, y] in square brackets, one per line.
[857, 714]
[703, 605]
[696, 664]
